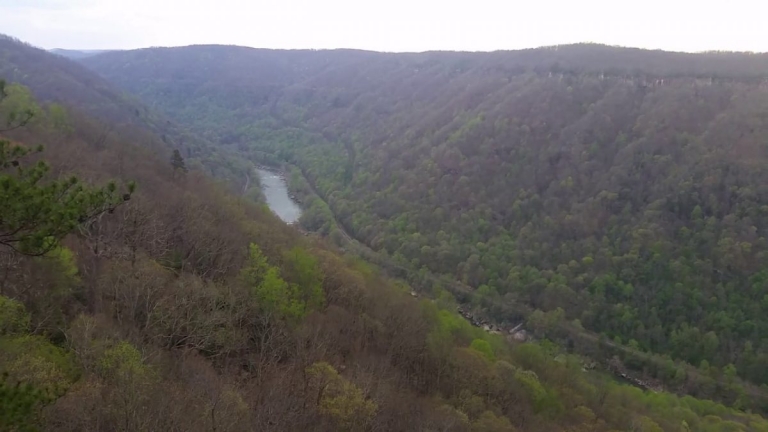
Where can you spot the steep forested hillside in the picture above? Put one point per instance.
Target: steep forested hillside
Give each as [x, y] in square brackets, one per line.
[57, 79]
[628, 188]
[174, 305]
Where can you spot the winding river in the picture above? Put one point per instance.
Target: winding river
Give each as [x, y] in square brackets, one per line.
[275, 190]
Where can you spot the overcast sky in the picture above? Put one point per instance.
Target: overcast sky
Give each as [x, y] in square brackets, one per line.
[391, 25]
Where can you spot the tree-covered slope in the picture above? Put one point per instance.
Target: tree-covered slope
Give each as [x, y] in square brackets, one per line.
[54, 78]
[183, 307]
[627, 187]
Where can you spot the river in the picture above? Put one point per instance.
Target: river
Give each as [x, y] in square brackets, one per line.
[275, 190]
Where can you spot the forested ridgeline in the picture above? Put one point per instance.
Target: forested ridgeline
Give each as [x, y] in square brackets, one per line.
[136, 294]
[625, 187]
[56, 79]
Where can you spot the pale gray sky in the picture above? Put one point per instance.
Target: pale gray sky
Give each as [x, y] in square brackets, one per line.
[391, 25]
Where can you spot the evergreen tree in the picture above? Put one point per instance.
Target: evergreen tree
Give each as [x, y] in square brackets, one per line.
[177, 162]
[15, 117]
[36, 214]
[18, 405]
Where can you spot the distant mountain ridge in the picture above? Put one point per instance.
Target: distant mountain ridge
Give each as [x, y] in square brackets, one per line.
[247, 325]
[76, 54]
[623, 186]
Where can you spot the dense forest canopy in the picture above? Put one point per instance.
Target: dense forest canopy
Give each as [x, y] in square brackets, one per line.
[57, 79]
[186, 307]
[627, 187]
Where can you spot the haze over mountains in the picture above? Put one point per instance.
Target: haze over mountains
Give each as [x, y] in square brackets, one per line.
[76, 54]
[611, 200]
[624, 186]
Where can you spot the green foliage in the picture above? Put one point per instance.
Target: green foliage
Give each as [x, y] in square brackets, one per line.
[122, 363]
[427, 183]
[36, 214]
[17, 106]
[14, 319]
[35, 361]
[277, 296]
[33, 373]
[59, 118]
[30, 359]
[65, 259]
[451, 324]
[633, 199]
[256, 268]
[531, 385]
[317, 216]
[288, 301]
[307, 278]
[19, 404]
[339, 399]
[484, 348]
